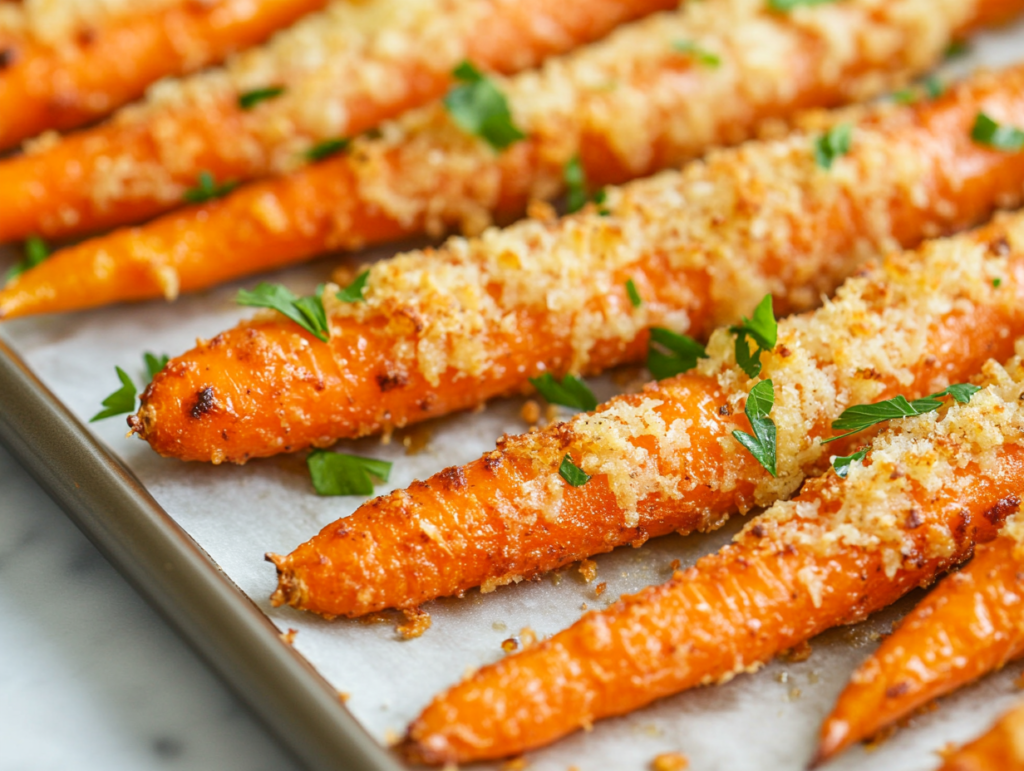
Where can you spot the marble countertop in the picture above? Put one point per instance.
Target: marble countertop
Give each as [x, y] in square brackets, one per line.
[90, 676]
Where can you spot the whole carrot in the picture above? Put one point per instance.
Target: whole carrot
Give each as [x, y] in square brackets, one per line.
[657, 92]
[839, 551]
[333, 75]
[998, 749]
[970, 625]
[667, 459]
[701, 247]
[48, 83]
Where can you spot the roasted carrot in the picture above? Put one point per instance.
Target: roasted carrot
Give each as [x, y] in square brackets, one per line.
[96, 67]
[842, 549]
[342, 72]
[1001, 748]
[702, 247]
[665, 459]
[970, 625]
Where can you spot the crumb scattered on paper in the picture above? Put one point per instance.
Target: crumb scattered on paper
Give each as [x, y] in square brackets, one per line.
[530, 413]
[599, 589]
[510, 645]
[588, 569]
[797, 653]
[416, 623]
[670, 761]
[289, 636]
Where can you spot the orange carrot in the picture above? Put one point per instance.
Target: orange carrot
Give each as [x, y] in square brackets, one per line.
[139, 164]
[841, 550]
[971, 624]
[999, 749]
[693, 244]
[665, 459]
[64, 84]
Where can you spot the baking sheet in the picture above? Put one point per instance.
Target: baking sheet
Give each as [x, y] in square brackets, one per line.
[767, 720]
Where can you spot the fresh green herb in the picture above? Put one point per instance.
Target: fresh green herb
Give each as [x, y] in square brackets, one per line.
[207, 189]
[634, 295]
[957, 48]
[761, 444]
[36, 252]
[785, 6]
[335, 473]
[575, 184]
[699, 54]
[997, 282]
[986, 131]
[841, 463]
[572, 473]
[931, 87]
[571, 392]
[155, 363]
[307, 312]
[864, 416]
[479, 108]
[353, 293]
[327, 148]
[833, 144]
[250, 99]
[763, 330]
[670, 354]
[121, 402]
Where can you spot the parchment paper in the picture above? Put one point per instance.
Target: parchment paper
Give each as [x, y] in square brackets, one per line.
[768, 720]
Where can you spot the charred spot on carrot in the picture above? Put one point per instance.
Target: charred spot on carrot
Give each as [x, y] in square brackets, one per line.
[205, 401]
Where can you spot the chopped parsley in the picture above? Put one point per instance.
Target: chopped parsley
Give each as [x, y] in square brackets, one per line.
[697, 53]
[572, 473]
[575, 178]
[335, 473]
[634, 296]
[479, 108]
[987, 131]
[207, 189]
[763, 330]
[155, 363]
[957, 48]
[326, 149]
[930, 88]
[307, 312]
[250, 99]
[997, 282]
[36, 252]
[571, 392]
[670, 354]
[863, 416]
[841, 463]
[121, 402]
[353, 293]
[788, 5]
[833, 144]
[762, 443]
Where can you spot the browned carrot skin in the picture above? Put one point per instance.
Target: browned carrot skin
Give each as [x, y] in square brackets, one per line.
[729, 613]
[999, 749]
[971, 624]
[34, 189]
[265, 372]
[491, 522]
[60, 87]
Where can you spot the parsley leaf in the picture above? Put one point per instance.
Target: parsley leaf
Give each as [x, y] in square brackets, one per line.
[763, 330]
[841, 463]
[986, 131]
[571, 392]
[335, 473]
[353, 293]
[155, 363]
[699, 54]
[250, 99]
[931, 87]
[957, 48]
[326, 149]
[996, 283]
[634, 296]
[833, 144]
[207, 189]
[572, 473]
[121, 402]
[479, 108]
[761, 444]
[962, 392]
[670, 354]
[575, 178]
[36, 252]
[307, 312]
[788, 5]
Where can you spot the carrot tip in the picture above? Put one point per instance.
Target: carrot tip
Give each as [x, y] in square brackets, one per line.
[290, 590]
[835, 738]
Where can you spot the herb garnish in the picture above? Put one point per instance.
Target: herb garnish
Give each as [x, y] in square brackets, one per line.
[634, 295]
[841, 463]
[36, 252]
[670, 354]
[788, 5]
[122, 401]
[761, 444]
[207, 189]
[957, 48]
[931, 87]
[353, 293]
[307, 312]
[572, 473]
[571, 392]
[863, 416]
[327, 148]
[335, 473]
[699, 54]
[155, 363]
[479, 108]
[987, 131]
[763, 330]
[250, 99]
[833, 144]
[575, 179]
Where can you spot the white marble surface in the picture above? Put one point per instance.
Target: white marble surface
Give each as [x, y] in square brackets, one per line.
[90, 676]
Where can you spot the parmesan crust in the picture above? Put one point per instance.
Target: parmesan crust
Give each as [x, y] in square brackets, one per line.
[52, 22]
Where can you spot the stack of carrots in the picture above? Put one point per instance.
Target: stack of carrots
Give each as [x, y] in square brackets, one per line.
[879, 432]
